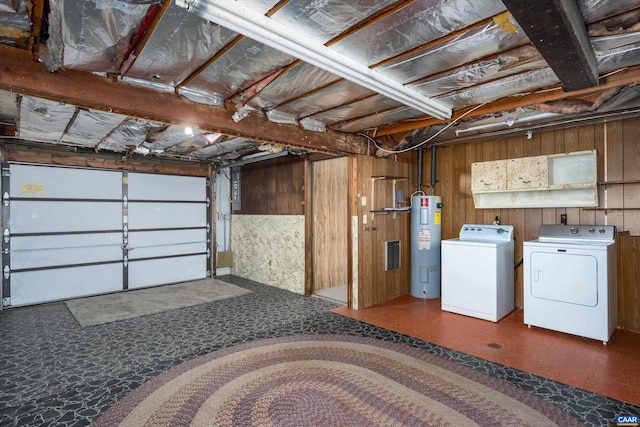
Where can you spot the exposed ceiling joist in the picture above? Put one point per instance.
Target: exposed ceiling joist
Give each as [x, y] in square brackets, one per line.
[246, 21]
[22, 75]
[624, 78]
[557, 30]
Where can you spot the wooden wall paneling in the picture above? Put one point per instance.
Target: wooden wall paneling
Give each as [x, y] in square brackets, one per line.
[394, 231]
[515, 149]
[488, 153]
[308, 230]
[446, 187]
[458, 202]
[273, 187]
[571, 144]
[614, 172]
[355, 209]
[517, 219]
[401, 229]
[465, 183]
[502, 153]
[533, 216]
[376, 284]
[378, 224]
[598, 143]
[628, 283]
[548, 146]
[631, 162]
[558, 140]
[586, 141]
[330, 223]
[479, 213]
[426, 172]
[406, 253]
[366, 274]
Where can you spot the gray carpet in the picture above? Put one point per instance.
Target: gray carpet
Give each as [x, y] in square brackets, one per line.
[102, 309]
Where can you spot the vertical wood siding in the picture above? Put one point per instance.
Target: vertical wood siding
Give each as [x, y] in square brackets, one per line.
[618, 147]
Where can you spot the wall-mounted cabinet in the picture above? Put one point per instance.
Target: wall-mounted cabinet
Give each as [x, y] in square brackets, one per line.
[558, 180]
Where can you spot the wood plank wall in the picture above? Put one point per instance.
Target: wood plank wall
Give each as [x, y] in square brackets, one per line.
[618, 146]
[273, 187]
[330, 222]
[629, 289]
[374, 283]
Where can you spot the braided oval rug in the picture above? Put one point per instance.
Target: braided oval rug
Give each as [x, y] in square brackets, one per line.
[328, 380]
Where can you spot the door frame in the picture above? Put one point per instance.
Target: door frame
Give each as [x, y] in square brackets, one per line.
[308, 214]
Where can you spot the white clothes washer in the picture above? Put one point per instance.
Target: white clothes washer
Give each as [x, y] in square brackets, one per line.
[477, 272]
[570, 280]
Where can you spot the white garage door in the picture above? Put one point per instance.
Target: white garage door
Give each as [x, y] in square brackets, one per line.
[76, 232]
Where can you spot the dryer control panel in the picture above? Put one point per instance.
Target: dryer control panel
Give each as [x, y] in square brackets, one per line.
[583, 234]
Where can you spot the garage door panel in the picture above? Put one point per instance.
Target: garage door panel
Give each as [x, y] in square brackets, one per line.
[71, 256]
[166, 215]
[61, 216]
[63, 241]
[166, 187]
[35, 287]
[64, 183]
[167, 270]
[151, 244]
[69, 230]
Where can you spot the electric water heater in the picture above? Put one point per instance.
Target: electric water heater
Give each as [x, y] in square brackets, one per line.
[426, 219]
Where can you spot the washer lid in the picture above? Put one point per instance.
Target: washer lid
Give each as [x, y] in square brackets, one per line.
[585, 234]
[486, 233]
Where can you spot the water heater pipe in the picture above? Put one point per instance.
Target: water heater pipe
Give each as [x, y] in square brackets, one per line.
[420, 169]
[433, 168]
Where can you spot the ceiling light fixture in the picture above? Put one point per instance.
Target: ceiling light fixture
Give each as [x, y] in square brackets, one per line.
[237, 17]
[509, 123]
[256, 157]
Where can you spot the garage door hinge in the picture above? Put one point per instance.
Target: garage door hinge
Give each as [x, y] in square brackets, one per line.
[6, 302]
[5, 198]
[6, 171]
[7, 272]
[6, 235]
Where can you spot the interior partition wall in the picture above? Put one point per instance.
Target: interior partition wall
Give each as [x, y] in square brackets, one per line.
[70, 232]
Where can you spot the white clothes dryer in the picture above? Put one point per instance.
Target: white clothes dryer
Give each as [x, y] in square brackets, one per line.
[570, 280]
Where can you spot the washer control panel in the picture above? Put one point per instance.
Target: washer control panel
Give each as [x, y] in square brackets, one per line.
[486, 233]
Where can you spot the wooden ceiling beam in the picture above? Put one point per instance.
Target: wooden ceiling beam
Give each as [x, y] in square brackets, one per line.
[20, 74]
[556, 28]
[630, 76]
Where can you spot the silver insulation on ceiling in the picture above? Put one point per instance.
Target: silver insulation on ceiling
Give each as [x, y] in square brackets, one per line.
[93, 35]
[418, 23]
[462, 52]
[181, 43]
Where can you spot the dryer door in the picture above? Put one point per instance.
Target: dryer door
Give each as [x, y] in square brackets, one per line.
[569, 277]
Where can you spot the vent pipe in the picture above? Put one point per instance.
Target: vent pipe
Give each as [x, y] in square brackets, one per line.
[420, 169]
